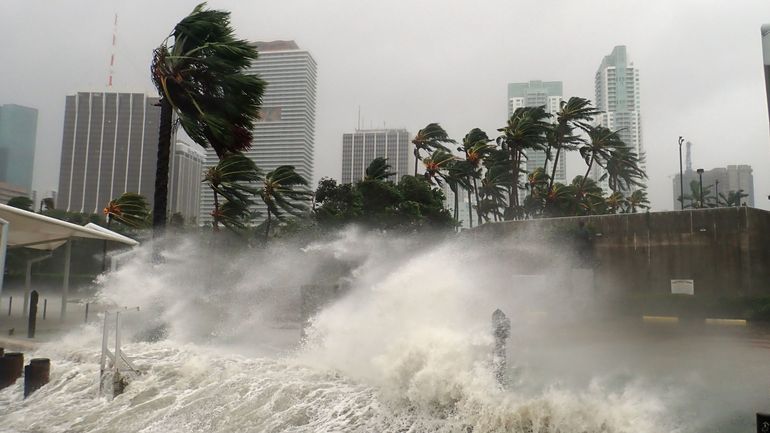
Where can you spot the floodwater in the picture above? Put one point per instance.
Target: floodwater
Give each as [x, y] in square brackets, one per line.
[407, 348]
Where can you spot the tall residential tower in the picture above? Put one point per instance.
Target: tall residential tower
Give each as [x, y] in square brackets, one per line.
[548, 94]
[617, 95]
[285, 133]
[18, 132]
[361, 147]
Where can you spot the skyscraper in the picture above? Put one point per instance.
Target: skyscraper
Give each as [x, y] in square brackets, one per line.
[18, 132]
[719, 180]
[184, 193]
[285, 134]
[617, 95]
[548, 94]
[766, 56]
[109, 146]
[361, 147]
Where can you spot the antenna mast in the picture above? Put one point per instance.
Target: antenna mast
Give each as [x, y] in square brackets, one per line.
[112, 54]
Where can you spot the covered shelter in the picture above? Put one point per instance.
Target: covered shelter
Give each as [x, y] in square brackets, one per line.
[24, 229]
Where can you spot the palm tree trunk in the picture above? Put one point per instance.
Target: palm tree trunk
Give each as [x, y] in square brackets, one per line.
[590, 163]
[476, 194]
[160, 202]
[267, 225]
[553, 171]
[416, 158]
[457, 204]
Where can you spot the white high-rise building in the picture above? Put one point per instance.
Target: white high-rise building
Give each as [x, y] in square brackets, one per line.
[547, 94]
[184, 193]
[617, 96]
[361, 147]
[285, 133]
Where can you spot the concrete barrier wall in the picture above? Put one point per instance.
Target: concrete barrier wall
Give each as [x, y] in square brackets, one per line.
[724, 250]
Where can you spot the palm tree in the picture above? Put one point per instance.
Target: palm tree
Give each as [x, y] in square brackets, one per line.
[573, 113]
[202, 77]
[476, 147]
[494, 187]
[615, 203]
[131, 210]
[232, 179]
[280, 195]
[434, 164]
[732, 199]
[457, 173]
[695, 194]
[526, 129]
[378, 169]
[623, 170]
[589, 199]
[637, 200]
[601, 142]
[431, 138]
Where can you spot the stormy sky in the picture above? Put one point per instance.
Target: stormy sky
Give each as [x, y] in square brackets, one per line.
[410, 62]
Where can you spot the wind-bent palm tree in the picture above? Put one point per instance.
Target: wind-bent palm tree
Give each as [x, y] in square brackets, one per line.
[601, 143]
[378, 169]
[494, 186]
[476, 146]
[526, 129]
[623, 170]
[637, 200]
[130, 209]
[431, 138]
[437, 162]
[695, 194]
[280, 194]
[574, 113]
[233, 179]
[202, 77]
[616, 202]
[457, 173]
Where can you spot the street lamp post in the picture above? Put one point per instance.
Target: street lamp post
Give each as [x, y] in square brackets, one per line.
[681, 176]
[700, 176]
[716, 190]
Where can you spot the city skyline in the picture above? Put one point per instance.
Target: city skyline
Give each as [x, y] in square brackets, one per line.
[717, 181]
[382, 67]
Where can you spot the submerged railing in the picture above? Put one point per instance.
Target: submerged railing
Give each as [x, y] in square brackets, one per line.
[119, 361]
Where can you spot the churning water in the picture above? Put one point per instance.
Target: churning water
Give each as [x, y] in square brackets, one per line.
[405, 346]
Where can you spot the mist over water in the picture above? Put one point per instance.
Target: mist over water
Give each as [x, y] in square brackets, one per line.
[405, 347]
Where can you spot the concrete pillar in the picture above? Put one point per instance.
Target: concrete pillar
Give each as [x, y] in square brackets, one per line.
[31, 324]
[36, 374]
[11, 367]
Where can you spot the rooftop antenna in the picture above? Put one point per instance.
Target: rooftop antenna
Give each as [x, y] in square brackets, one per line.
[112, 54]
[688, 158]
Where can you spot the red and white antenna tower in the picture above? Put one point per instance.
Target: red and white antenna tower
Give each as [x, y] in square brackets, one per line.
[112, 55]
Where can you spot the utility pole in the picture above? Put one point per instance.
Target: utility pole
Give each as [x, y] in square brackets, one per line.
[681, 176]
[700, 176]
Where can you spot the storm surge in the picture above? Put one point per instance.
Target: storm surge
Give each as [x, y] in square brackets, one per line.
[404, 345]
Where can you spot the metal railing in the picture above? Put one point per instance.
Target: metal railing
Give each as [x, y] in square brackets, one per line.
[119, 361]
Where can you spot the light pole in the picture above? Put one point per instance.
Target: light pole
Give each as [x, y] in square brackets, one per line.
[681, 176]
[700, 176]
[716, 190]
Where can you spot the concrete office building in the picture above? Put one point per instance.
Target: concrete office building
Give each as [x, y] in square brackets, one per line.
[361, 147]
[187, 173]
[617, 96]
[720, 180]
[285, 134]
[109, 146]
[18, 132]
[766, 57]
[534, 94]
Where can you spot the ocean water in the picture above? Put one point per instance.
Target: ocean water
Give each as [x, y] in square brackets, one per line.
[407, 347]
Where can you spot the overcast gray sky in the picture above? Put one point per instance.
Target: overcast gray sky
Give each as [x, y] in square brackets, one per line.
[411, 62]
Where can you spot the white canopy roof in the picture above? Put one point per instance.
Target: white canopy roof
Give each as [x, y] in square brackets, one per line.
[31, 230]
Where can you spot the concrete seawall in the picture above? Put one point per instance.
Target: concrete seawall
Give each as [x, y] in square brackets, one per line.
[726, 251]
